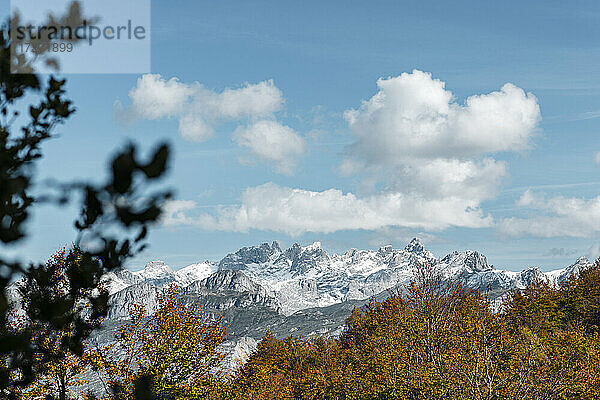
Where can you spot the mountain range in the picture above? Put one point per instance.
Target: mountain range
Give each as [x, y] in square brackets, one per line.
[306, 290]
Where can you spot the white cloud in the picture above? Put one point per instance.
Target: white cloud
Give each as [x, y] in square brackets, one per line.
[440, 178]
[597, 157]
[252, 100]
[295, 211]
[155, 97]
[555, 217]
[174, 212]
[200, 110]
[194, 128]
[413, 116]
[432, 155]
[270, 141]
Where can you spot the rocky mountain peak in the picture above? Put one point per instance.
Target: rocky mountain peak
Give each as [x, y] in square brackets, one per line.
[415, 246]
[476, 261]
[194, 272]
[316, 246]
[275, 246]
[471, 260]
[574, 270]
[532, 275]
[386, 249]
[157, 267]
[250, 255]
[157, 273]
[304, 258]
[582, 261]
[227, 280]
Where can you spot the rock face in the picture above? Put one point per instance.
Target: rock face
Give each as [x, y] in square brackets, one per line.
[306, 290]
[301, 278]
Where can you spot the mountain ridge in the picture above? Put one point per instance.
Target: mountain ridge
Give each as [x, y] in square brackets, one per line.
[304, 290]
[303, 277]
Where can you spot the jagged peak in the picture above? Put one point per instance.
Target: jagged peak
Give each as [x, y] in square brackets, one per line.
[313, 247]
[535, 269]
[275, 246]
[415, 246]
[157, 266]
[250, 255]
[227, 279]
[296, 249]
[580, 264]
[350, 252]
[386, 249]
[229, 274]
[476, 261]
[471, 259]
[582, 260]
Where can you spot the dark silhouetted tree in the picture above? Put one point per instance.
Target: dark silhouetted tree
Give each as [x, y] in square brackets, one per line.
[112, 224]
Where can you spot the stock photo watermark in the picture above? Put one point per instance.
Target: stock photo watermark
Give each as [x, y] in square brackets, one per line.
[93, 36]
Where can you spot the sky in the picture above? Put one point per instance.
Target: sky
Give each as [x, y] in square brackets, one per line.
[471, 125]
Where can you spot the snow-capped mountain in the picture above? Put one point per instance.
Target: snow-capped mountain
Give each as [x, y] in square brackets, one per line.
[300, 278]
[307, 277]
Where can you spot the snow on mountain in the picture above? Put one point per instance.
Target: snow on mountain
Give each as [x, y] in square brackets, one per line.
[143, 293]
[120, 279]
[228, 288]
[194, 272]
[306, 277]
[157, 273]
[572, 270]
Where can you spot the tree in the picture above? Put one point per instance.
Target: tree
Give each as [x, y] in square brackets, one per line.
[434, 340]
[175, 348]
[114, 216]
[58, 376]
[555, 333]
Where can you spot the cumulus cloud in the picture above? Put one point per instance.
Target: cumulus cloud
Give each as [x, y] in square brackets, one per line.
[434, 156]
[174, 212]
[440, 178]
[415, 137]
[197, 108]
[554, 217]
[270, 141]
[295, 211]
[155, 97]
[199, 111]
[413, 116]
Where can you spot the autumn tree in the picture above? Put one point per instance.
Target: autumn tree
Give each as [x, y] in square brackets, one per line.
[555, 331]
[434, 340]
[59, 372]
[294, 368]
[175, 347]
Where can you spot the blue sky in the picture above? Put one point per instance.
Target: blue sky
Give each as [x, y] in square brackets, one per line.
[325, 58]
